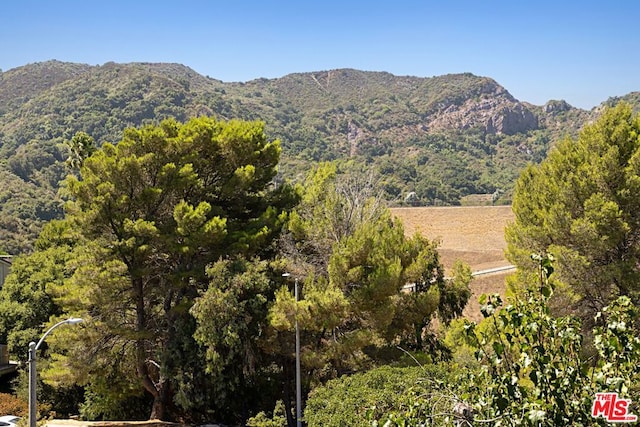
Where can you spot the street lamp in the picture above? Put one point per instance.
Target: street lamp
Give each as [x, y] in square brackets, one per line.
[33, 347]
[298, 382]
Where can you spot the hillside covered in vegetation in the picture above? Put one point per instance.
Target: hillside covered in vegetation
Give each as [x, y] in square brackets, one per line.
[430, 141]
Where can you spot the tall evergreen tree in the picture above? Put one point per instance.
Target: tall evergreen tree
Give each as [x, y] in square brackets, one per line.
[582, 205]
[159, 207]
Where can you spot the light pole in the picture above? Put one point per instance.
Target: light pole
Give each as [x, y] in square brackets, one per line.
[33, 347]
[298, 382]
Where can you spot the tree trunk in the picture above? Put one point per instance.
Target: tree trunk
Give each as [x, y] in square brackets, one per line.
[419, 330]
[158, 391]
[287, 395]
[158, 410]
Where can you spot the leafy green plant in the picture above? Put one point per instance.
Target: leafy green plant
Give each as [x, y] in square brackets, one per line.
[533, 372]
[278, 418]
[359, 399]
[531, 359]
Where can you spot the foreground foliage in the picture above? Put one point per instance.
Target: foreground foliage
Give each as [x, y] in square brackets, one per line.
[158, 207]
[172, 252]
[27, 297]
[533, 371]
[145, 218]
[582, 205]
[10, 404]
[357, 399]
[355, 262]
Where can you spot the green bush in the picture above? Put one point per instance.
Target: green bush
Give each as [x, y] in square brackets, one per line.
[278, 419]
[357, 399]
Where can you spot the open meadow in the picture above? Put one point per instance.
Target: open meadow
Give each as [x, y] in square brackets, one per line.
[472, 234]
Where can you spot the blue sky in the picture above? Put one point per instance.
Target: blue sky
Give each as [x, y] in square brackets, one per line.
[581, 51]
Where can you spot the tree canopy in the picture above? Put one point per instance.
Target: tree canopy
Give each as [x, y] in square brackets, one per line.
[156, 209]
[173, 250]
[173, 247]
[354, 263]
[581, 204]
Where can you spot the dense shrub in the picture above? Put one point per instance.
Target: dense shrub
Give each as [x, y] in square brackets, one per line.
[357, 399]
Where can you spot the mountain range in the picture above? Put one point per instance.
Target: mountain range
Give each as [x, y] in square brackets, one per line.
[435, 140]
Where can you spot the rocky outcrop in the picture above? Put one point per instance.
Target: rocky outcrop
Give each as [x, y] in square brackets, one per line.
[555, 107]
[501, 115]
[511, 119]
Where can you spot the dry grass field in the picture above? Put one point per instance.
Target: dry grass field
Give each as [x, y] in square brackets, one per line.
[472, 234]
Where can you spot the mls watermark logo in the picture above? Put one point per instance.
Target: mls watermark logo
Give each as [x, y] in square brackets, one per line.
[612, 408]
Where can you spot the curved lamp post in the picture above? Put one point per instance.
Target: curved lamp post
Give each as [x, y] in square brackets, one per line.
[298, 382]
[33, 347]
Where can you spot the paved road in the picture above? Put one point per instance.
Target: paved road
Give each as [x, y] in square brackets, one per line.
[410, 286]
[494, 270]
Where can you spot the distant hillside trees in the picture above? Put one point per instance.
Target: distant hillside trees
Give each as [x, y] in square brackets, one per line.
[581, 204]
[440, 138]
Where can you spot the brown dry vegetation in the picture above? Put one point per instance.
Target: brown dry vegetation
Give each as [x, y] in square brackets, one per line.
[472, 234]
